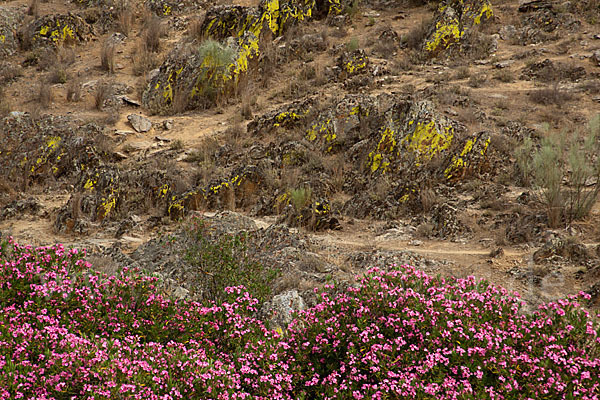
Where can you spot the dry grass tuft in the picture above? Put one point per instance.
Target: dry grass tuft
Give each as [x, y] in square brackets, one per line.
[124, 21]
[143, 60]
[153, 33]
[44, 94]
[34, 9]
[103, 93]
[107, 56]
[74, 90]
[550, 95]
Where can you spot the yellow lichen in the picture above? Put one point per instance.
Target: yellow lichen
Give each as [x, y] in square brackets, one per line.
[458, 163]
[163, 190]
[486, 11]
[426, 141]
[445, 34]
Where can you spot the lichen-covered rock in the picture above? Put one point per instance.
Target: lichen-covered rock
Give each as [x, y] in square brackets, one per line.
[337, 127]
[165, 8]
[56, 29]
[351, 63]
[562, 249]
[51, 149]
[446, 224]
[415, 128]
[470, 160]
[541, 24]
[454, 20]
[289, 116]
[222, 22]
[549, 71]
[10, 21]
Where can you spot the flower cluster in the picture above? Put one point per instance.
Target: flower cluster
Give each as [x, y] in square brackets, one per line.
[70, 332]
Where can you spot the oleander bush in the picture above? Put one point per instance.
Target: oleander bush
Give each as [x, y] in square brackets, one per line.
[70, 332]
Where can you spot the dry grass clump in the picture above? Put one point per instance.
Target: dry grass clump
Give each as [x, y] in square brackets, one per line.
[124, 20]
[154, 31]
[9, 72]
[74, 90]
[107, 56]
[505, 75]
[5, 105]
[143, 60]
[550, 95]
[34, 9]
[103, 93]
[44, 94]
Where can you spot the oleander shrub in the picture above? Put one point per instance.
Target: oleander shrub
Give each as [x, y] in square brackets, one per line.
[69, 331]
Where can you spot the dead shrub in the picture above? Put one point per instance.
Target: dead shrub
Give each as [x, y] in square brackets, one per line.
[414, 39]
[550, 95]
[194, 30]
[124, 21]
[142, 59]
[44, 94]
[103, 92]
[34, 9]
[462, 72]
[58, 74]
[46, 58]
[505, 75]
[74, 90]
[427, 199]
[107, 56]
[152, 35]
[477, 80]
[9, 71]
[5, 105]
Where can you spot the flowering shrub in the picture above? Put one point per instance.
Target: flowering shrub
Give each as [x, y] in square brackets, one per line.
[68, 332]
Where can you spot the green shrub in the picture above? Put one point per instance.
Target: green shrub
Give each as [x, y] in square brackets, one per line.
[217, 62]
[559, 159]
[300, 198]
[224, 261]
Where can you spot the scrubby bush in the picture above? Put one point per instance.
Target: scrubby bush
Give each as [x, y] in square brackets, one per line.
[225, 262]
[217, 61]
[68, 331]
[560, 158]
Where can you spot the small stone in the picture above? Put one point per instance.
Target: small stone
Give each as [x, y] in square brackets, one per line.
[168, 124]
[139, 123]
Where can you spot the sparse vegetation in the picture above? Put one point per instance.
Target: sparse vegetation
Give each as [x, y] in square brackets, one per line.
[552, 95]
[103, 92]
[143, 59]
[125, 19]
[505, 75]
[44, 94]
[224, 262]
[74, 90]
[107, 56]
[152, 34]
[562, 159]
